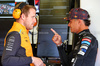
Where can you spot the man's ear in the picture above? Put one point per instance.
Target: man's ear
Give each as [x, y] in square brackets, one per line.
[22, 16]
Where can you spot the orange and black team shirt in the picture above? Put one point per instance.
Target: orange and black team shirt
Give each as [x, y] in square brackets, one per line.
[17, 47]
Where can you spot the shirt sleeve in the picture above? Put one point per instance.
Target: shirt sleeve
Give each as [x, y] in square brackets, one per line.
[9, 58]
[63, 56]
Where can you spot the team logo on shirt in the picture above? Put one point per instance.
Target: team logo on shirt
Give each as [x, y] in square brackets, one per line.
[85, 43]
[26, 40]
[10, 43]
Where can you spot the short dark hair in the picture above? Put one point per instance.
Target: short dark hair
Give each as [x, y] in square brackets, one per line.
[26, 8]
[87, 21]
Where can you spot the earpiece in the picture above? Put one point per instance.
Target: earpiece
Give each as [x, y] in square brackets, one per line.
[17, 12]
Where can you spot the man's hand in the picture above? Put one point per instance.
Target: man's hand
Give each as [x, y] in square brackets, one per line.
[37, 61]
[56, 38]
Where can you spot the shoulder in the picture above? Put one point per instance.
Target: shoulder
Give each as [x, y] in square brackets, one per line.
[89, 38]
[13, 40]
[13, 35]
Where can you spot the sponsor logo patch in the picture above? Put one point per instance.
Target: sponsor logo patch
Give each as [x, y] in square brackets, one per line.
[81, 53]
[85, 42]
[84, 50]
[86, 39]
[85, 47]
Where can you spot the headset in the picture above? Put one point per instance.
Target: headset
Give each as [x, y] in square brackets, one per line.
[17, 12]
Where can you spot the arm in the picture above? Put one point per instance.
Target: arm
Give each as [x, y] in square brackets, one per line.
[9, 57]
[58, 41]
[63, 56]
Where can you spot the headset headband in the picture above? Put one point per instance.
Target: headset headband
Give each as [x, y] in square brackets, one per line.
[22, 5]
[17, 12]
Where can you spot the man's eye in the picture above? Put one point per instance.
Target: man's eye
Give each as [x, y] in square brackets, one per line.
[33, 17]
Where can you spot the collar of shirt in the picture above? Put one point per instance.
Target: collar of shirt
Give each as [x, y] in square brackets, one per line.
[82, 33]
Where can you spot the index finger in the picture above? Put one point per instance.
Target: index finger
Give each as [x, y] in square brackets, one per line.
[54, 31]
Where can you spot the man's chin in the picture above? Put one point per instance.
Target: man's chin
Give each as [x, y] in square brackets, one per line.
[30, 28]
[73, 32]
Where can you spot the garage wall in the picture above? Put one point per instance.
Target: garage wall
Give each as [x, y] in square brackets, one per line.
[92, 6]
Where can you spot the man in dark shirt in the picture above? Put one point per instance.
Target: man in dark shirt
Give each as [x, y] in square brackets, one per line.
[85, 51]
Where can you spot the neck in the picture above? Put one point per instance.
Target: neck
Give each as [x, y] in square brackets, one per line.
[82, 28]
[20, 21]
